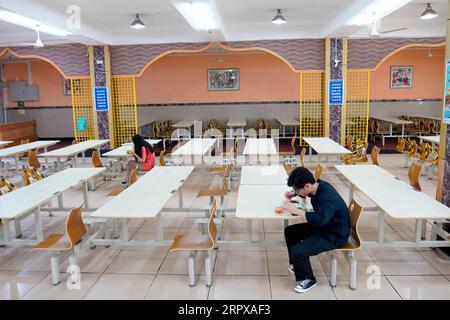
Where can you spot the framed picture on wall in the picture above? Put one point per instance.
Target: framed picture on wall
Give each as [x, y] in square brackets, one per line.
[223, 79]
[67, 87]
[401, 77]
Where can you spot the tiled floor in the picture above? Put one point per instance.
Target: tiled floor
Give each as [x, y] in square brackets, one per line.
[239, 272]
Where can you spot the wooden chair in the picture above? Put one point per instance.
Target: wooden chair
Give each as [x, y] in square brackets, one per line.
[217, 192]
[30, 175]
[196, 243]
[413, 176]
[131, 180]
[60, 243]
[164, 161]
[318, 172]
[359, 157]
[302, 156]
[353, 244]
[412, 151]
[401, 142]
[33, 160]
[97, 163]
[6, 186]
[374, 155]
[74, 141]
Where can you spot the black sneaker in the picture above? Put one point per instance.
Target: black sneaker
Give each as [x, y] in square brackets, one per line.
[305, 285]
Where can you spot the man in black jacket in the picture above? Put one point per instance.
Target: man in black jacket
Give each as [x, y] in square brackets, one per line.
[327, 228]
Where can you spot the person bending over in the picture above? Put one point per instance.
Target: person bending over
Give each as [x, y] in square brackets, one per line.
[144, 155]
[327, 228]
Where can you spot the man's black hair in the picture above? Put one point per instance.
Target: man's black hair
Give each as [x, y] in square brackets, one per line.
[300, 177]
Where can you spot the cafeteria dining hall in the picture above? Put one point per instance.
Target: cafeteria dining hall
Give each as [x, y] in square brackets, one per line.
[193, 150]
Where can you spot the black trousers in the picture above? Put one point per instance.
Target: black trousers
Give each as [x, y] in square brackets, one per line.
[302, 242]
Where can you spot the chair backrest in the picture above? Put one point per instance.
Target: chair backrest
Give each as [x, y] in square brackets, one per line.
[212, 229]
[349, 141]
[6, 186]
[96, 159]
[412, 151]
[33, 160]
[25, 141]
[74, 141]
[30, 175]
[162, 159]
[133, 177]
[374, 155]
[425, 150]
[376, 126]
[354, 210]
[413, 176]
[75, 228]
[302, 156]
[401, 144]
[293, 144]
[318, 172]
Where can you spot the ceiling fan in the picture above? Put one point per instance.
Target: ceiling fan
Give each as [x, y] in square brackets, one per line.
[37, 44]
[375, 25]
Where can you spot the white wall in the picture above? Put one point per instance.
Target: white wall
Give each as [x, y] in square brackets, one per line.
[396, 109]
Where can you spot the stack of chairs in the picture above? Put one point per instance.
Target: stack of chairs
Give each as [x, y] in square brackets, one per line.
[263, 125]
[214, 124]
[358, 155]
[162, 129]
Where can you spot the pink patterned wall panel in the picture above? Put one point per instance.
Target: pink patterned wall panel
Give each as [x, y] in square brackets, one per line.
[72, 59]
[367, 53]
[131, 59]
[302, 54]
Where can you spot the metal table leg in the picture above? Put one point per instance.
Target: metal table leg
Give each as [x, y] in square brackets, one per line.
[250, 230]
[380, 226]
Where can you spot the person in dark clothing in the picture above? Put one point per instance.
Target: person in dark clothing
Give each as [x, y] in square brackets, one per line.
[327, 228]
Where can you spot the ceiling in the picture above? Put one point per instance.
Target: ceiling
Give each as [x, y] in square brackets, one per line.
[107, 22]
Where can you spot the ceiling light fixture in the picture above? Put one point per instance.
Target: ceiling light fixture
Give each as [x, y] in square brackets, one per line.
[29, 23]
[429, 13]
[137, 24]
[279, 19]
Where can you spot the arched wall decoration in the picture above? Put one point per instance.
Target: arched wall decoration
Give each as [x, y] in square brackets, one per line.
[299, 55]
[70, 60]
[369, 54]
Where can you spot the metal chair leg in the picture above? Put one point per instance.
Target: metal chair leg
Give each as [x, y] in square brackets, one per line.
[54, 264]
[208, 269]
[333, 270]
[191, 269]
[353, 265]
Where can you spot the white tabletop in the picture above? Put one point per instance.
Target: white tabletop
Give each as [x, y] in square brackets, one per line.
[183, 124]
[396, 197]
[7, 152]
[194, 147]
[326, 146]
[263, 175]
[259, 202]
[288, 122]
[432, 139]
[2, 143]
[260, 146]
[75, 148]
[393, 120]
[23, 200]
[150, 141]
[146, 197]
[121, 152]
[236, 123]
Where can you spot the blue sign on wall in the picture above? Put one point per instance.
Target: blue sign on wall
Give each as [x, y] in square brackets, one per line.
[101, 99]
[336, 92]
[81, 124]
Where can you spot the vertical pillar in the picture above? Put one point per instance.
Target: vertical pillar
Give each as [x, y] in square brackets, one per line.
[99, 60]
[443, 187]
[335, 69]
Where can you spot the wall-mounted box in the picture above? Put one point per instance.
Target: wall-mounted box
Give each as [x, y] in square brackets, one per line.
[21, 91]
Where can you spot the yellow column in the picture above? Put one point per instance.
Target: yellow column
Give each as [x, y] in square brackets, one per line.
[344, 98]
[442, 146]
[326, 122]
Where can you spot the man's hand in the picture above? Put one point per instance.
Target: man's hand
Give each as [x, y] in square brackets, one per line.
[289, 195]
[291, 208]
